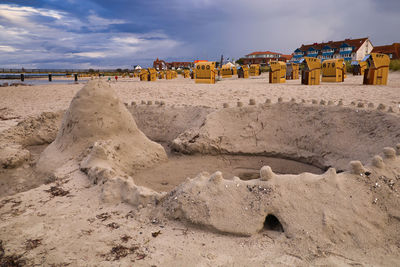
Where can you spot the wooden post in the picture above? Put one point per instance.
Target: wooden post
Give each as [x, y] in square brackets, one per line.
[22, 77]
[76, 77]
[50, 77]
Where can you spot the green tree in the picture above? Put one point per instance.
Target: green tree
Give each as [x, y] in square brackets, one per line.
[240, 61]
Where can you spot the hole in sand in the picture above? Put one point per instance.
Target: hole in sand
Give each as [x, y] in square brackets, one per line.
[272, 223]
[166, 175]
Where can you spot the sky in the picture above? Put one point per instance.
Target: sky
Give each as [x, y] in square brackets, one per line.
[123, 33]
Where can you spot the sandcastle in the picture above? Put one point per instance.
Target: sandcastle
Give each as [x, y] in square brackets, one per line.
[98, 131]
[278, 202]
[97, 115]
[245, 207]
[218, 203]
[356, 148]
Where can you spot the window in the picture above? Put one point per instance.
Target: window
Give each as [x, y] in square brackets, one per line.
[346, 49]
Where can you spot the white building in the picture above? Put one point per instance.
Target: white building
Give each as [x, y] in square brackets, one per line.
[348, 49]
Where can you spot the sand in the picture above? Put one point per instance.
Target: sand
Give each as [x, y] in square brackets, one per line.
[106, 213]
[32, 100]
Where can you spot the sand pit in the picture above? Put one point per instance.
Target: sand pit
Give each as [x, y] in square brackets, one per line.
[292, 184]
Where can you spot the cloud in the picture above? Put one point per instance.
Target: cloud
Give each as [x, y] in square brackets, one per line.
[124, 33]
[90, 54]
[67, 41]
[127, 40]
[20, 15]
[98, 23]
[6, 48]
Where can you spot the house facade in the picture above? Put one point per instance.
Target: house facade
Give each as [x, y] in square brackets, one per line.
[393, 50]
[161, 65]
[263, 58]
[348, 49]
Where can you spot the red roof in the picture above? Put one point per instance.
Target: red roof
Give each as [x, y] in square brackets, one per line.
[263, 53]
[287, 57]
[393, 49]
[335, 44]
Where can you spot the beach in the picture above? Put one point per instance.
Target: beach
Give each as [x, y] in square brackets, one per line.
[113, 197]
[32, 100]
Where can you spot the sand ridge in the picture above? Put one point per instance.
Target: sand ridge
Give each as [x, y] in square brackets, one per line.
[320, 135]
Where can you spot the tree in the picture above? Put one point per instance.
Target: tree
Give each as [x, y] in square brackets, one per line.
[240, 61]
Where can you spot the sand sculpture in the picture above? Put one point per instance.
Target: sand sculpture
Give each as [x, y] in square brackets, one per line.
[243, 207]
[100, 134]
[97, 125]
[279, 202]
[99, 131]
[302, 207]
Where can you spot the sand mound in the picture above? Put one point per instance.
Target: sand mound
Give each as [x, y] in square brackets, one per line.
[360, 209]
[323, 136]
[96, 115]
[98, 131]
[34, 130]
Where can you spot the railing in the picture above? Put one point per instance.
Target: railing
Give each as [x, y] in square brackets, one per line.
[23, 76]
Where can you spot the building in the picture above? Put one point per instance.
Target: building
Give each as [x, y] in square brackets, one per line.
[263, 58]
[161, 64]
[393, 50]
[182, 65]
[285, 58]
[348, 49]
